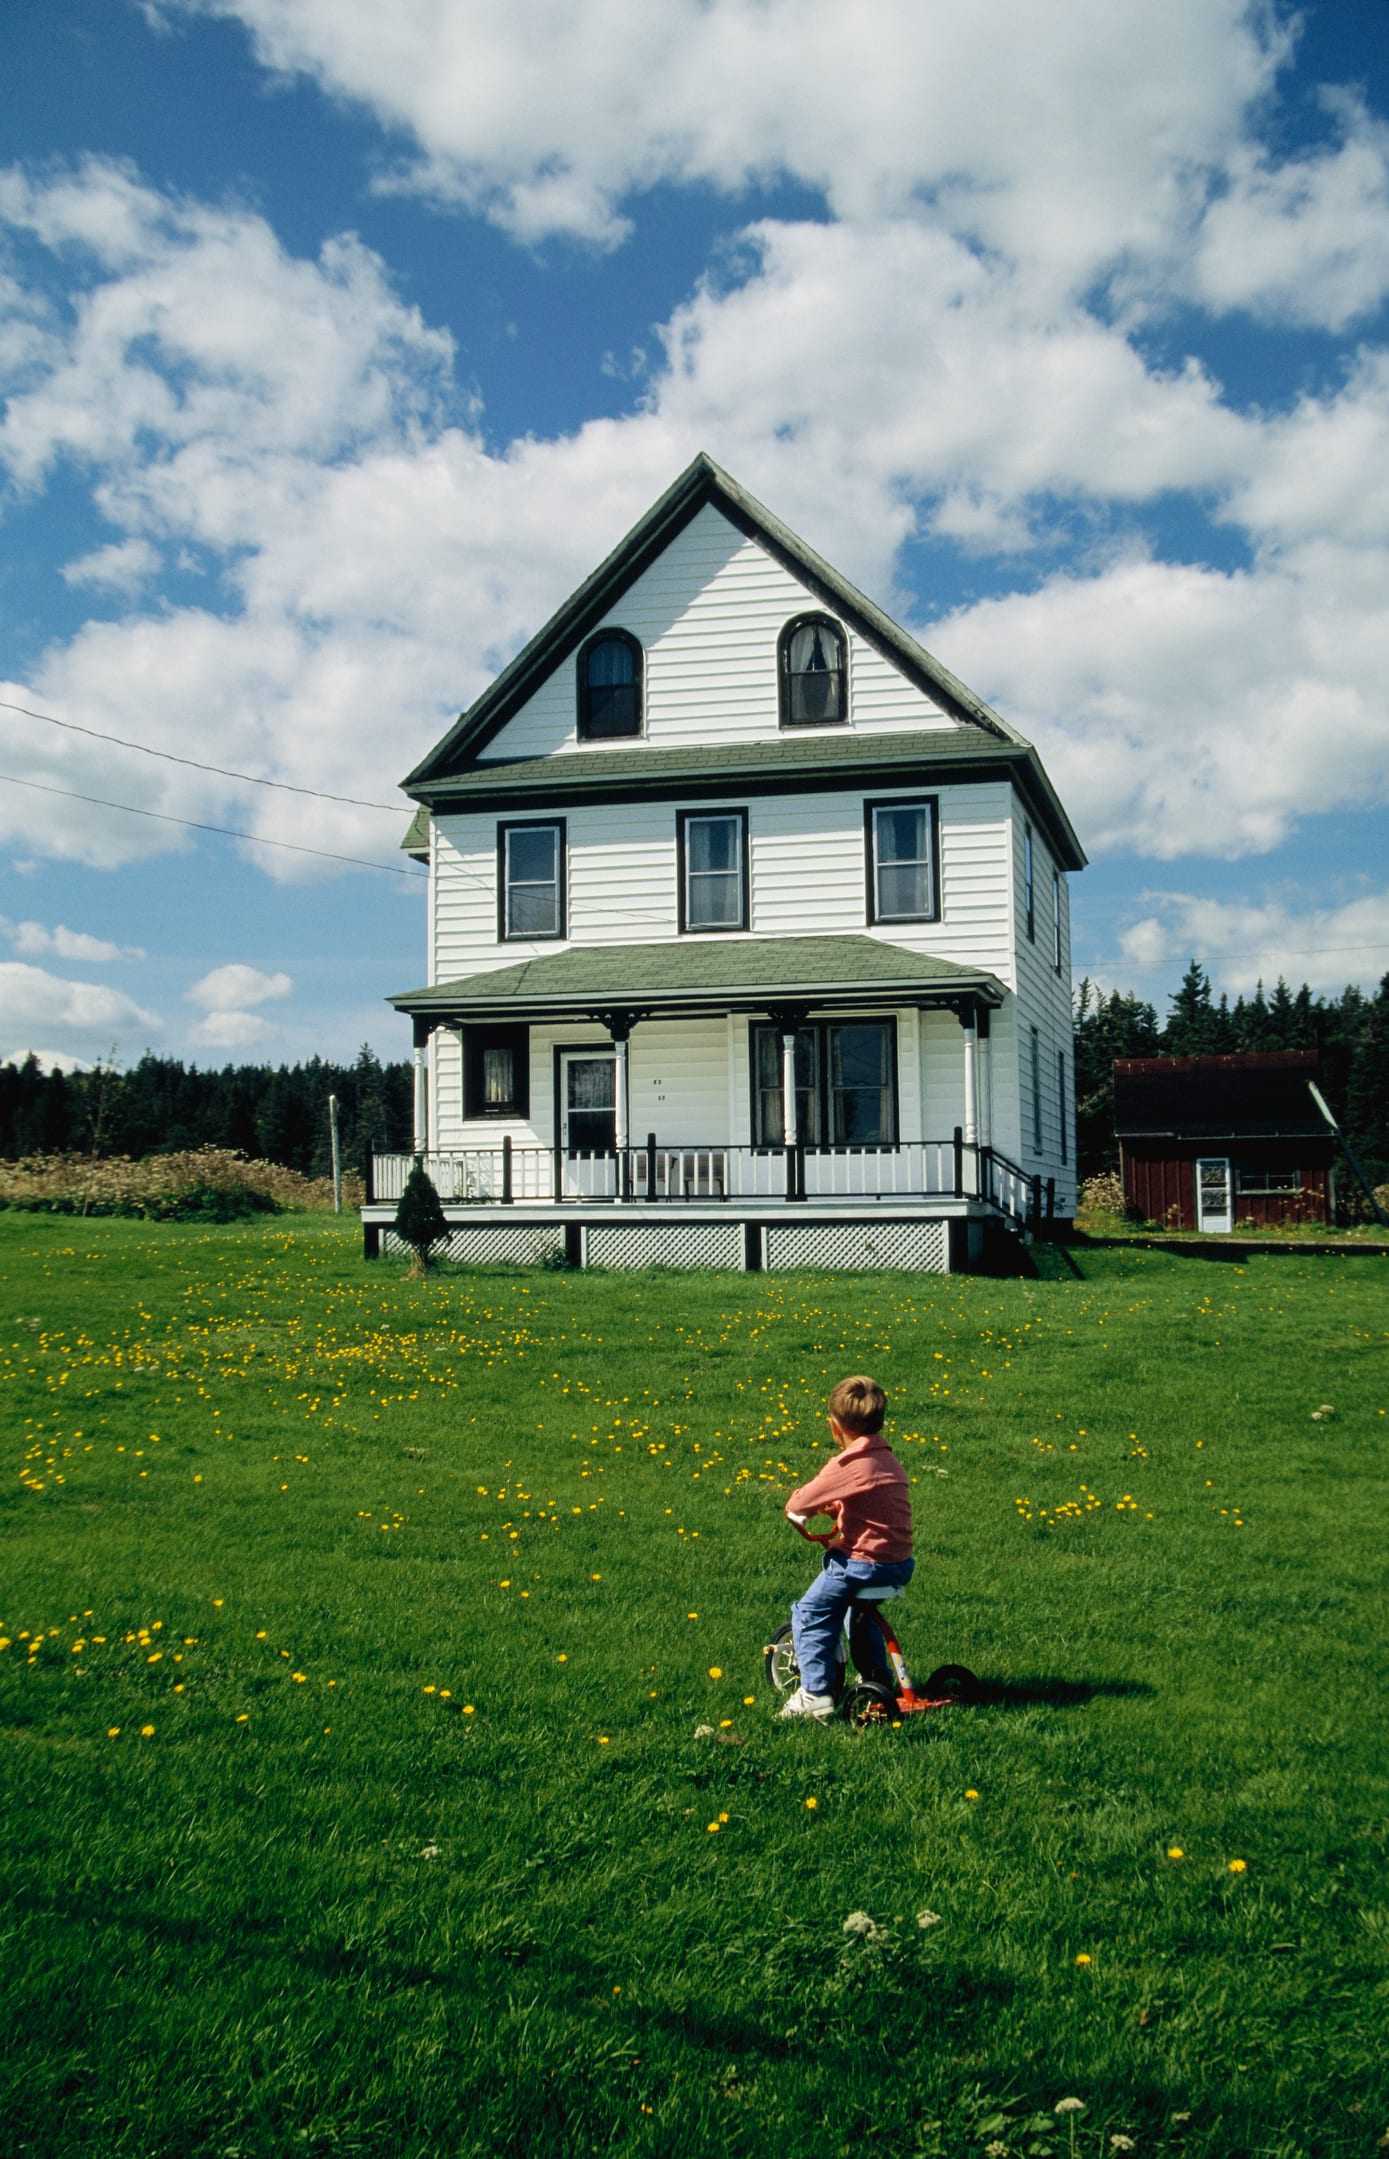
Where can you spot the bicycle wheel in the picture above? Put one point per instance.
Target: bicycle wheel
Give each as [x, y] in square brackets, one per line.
[783, 1672]
[951, 1683]
[867, 1703]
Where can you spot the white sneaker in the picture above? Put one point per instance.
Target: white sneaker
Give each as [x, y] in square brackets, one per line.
[803, 1704]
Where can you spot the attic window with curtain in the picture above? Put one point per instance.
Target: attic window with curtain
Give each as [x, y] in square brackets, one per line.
[812, 672]
[609, 687]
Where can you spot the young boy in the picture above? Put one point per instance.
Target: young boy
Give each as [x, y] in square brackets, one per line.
[865, 1489]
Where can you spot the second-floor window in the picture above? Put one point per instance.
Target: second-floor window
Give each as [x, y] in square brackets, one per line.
[903, 883]
[812, 671]
[713, 870]
[1056, 920]
[1029, 900]
[531, 880]
[609, 687]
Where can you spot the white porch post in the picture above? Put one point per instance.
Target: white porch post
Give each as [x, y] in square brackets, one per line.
[620, 1092]
[985, 1080]
[422, 1033]
[971, 1079]
[789, 1127]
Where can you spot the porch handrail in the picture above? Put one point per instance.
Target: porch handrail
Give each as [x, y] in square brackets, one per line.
[508, 1173]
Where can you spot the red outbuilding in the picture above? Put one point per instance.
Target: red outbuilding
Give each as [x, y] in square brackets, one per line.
[1223, 1143]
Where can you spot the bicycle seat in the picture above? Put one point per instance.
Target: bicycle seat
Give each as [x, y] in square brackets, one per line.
[878, 1593]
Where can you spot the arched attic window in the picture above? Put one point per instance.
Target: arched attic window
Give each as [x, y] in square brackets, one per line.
[609, 686]
[812, 673]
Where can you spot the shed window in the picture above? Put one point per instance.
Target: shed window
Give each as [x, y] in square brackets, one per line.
[713, 871]
[813, 674]
[1267, 1177]
[902, 877]
[609, 687]
[531, 880]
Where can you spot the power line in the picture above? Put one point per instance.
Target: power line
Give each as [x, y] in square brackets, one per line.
[192, 824]
[1216, 959]
[251, 779]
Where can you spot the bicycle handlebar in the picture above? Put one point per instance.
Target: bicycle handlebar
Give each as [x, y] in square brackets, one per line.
[812, 1536]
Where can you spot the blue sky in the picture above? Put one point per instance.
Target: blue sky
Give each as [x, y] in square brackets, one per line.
[338, 342]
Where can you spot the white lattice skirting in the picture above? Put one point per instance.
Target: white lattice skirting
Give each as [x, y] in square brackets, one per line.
[664, 1244]
[920, 1245]
[488, 1245]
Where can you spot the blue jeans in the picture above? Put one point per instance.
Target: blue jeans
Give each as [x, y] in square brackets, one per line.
[817, 1617]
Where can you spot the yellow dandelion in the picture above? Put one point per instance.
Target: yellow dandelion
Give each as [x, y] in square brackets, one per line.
[468, 1709]
[1239, 1866]
[147, 1731]
[113, 1731]
[971, 1793]
[1084, 1958]
[716, 1671]
[1174, 1851]
[812, 1802]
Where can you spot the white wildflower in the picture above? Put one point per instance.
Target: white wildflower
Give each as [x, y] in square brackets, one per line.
[928, 1919]
[1069, 2106]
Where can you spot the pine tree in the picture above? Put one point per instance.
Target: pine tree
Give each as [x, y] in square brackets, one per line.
[419, 1219]
[1191, 1026]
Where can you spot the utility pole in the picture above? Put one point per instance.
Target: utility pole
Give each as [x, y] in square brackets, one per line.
[337, 1156]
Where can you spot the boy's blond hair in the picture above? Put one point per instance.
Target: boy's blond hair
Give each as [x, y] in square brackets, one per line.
[858, 1404]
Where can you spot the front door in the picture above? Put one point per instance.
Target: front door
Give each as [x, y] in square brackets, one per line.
[1213, 1210]
[588, 1101]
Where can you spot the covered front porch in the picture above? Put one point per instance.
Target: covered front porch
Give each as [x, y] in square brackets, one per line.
[749, 1102]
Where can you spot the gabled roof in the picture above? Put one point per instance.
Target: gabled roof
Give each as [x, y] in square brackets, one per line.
[1257, 1095]
[704, 974]
[701, 483]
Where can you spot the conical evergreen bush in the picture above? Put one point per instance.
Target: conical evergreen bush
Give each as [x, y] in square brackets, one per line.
[419, 1219]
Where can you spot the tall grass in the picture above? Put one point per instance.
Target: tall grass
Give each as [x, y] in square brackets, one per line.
[165, 1187]
[387, 1766]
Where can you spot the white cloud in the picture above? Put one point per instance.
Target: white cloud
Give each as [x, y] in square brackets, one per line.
[1241, 944]
[230, 1031]
[37, 1003]
[237, 988]
[123, 566]
[1070, 135]
[1306, 241]
[34, 941]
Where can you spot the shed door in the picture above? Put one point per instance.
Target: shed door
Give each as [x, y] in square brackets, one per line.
[1213, 1194]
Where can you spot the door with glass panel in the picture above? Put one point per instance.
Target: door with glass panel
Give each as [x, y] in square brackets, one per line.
[588, 1122]
[1213, 1208]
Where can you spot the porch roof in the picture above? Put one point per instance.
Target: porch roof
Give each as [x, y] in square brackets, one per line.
[704, 975]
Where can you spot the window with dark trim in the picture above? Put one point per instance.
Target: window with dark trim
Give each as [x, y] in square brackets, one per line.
[1267, 1177]
[1056, 920]
[902, 840]
[712, 864]
[1061, 1098]
[1036, 1092]
[610, 683]
[496, 1072]
[812, 672]
[846, 1084]
[530, 880]
[1028, 894]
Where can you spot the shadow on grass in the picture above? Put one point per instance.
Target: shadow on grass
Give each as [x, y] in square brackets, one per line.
[1055, 1692]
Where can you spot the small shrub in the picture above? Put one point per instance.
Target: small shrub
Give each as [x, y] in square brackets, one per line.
[419, 1219]
[1101, 1204]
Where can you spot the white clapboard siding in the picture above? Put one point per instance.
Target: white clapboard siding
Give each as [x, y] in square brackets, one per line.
[1044, 1002]
[808, 876]
[707, 615]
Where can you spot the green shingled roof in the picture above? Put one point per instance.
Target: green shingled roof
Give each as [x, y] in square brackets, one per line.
[690, 974]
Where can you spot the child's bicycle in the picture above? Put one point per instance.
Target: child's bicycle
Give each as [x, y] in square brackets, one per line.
[884, 1691]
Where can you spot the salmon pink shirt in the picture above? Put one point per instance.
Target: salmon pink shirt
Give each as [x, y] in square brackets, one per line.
[865, 1489]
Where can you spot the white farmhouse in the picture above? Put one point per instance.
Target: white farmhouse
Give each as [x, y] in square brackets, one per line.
[748, 930]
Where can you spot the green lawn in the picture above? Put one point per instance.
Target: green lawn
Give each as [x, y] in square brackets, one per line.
[359, 1630]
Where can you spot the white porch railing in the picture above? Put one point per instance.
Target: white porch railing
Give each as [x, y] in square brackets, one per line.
[506, 1175]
